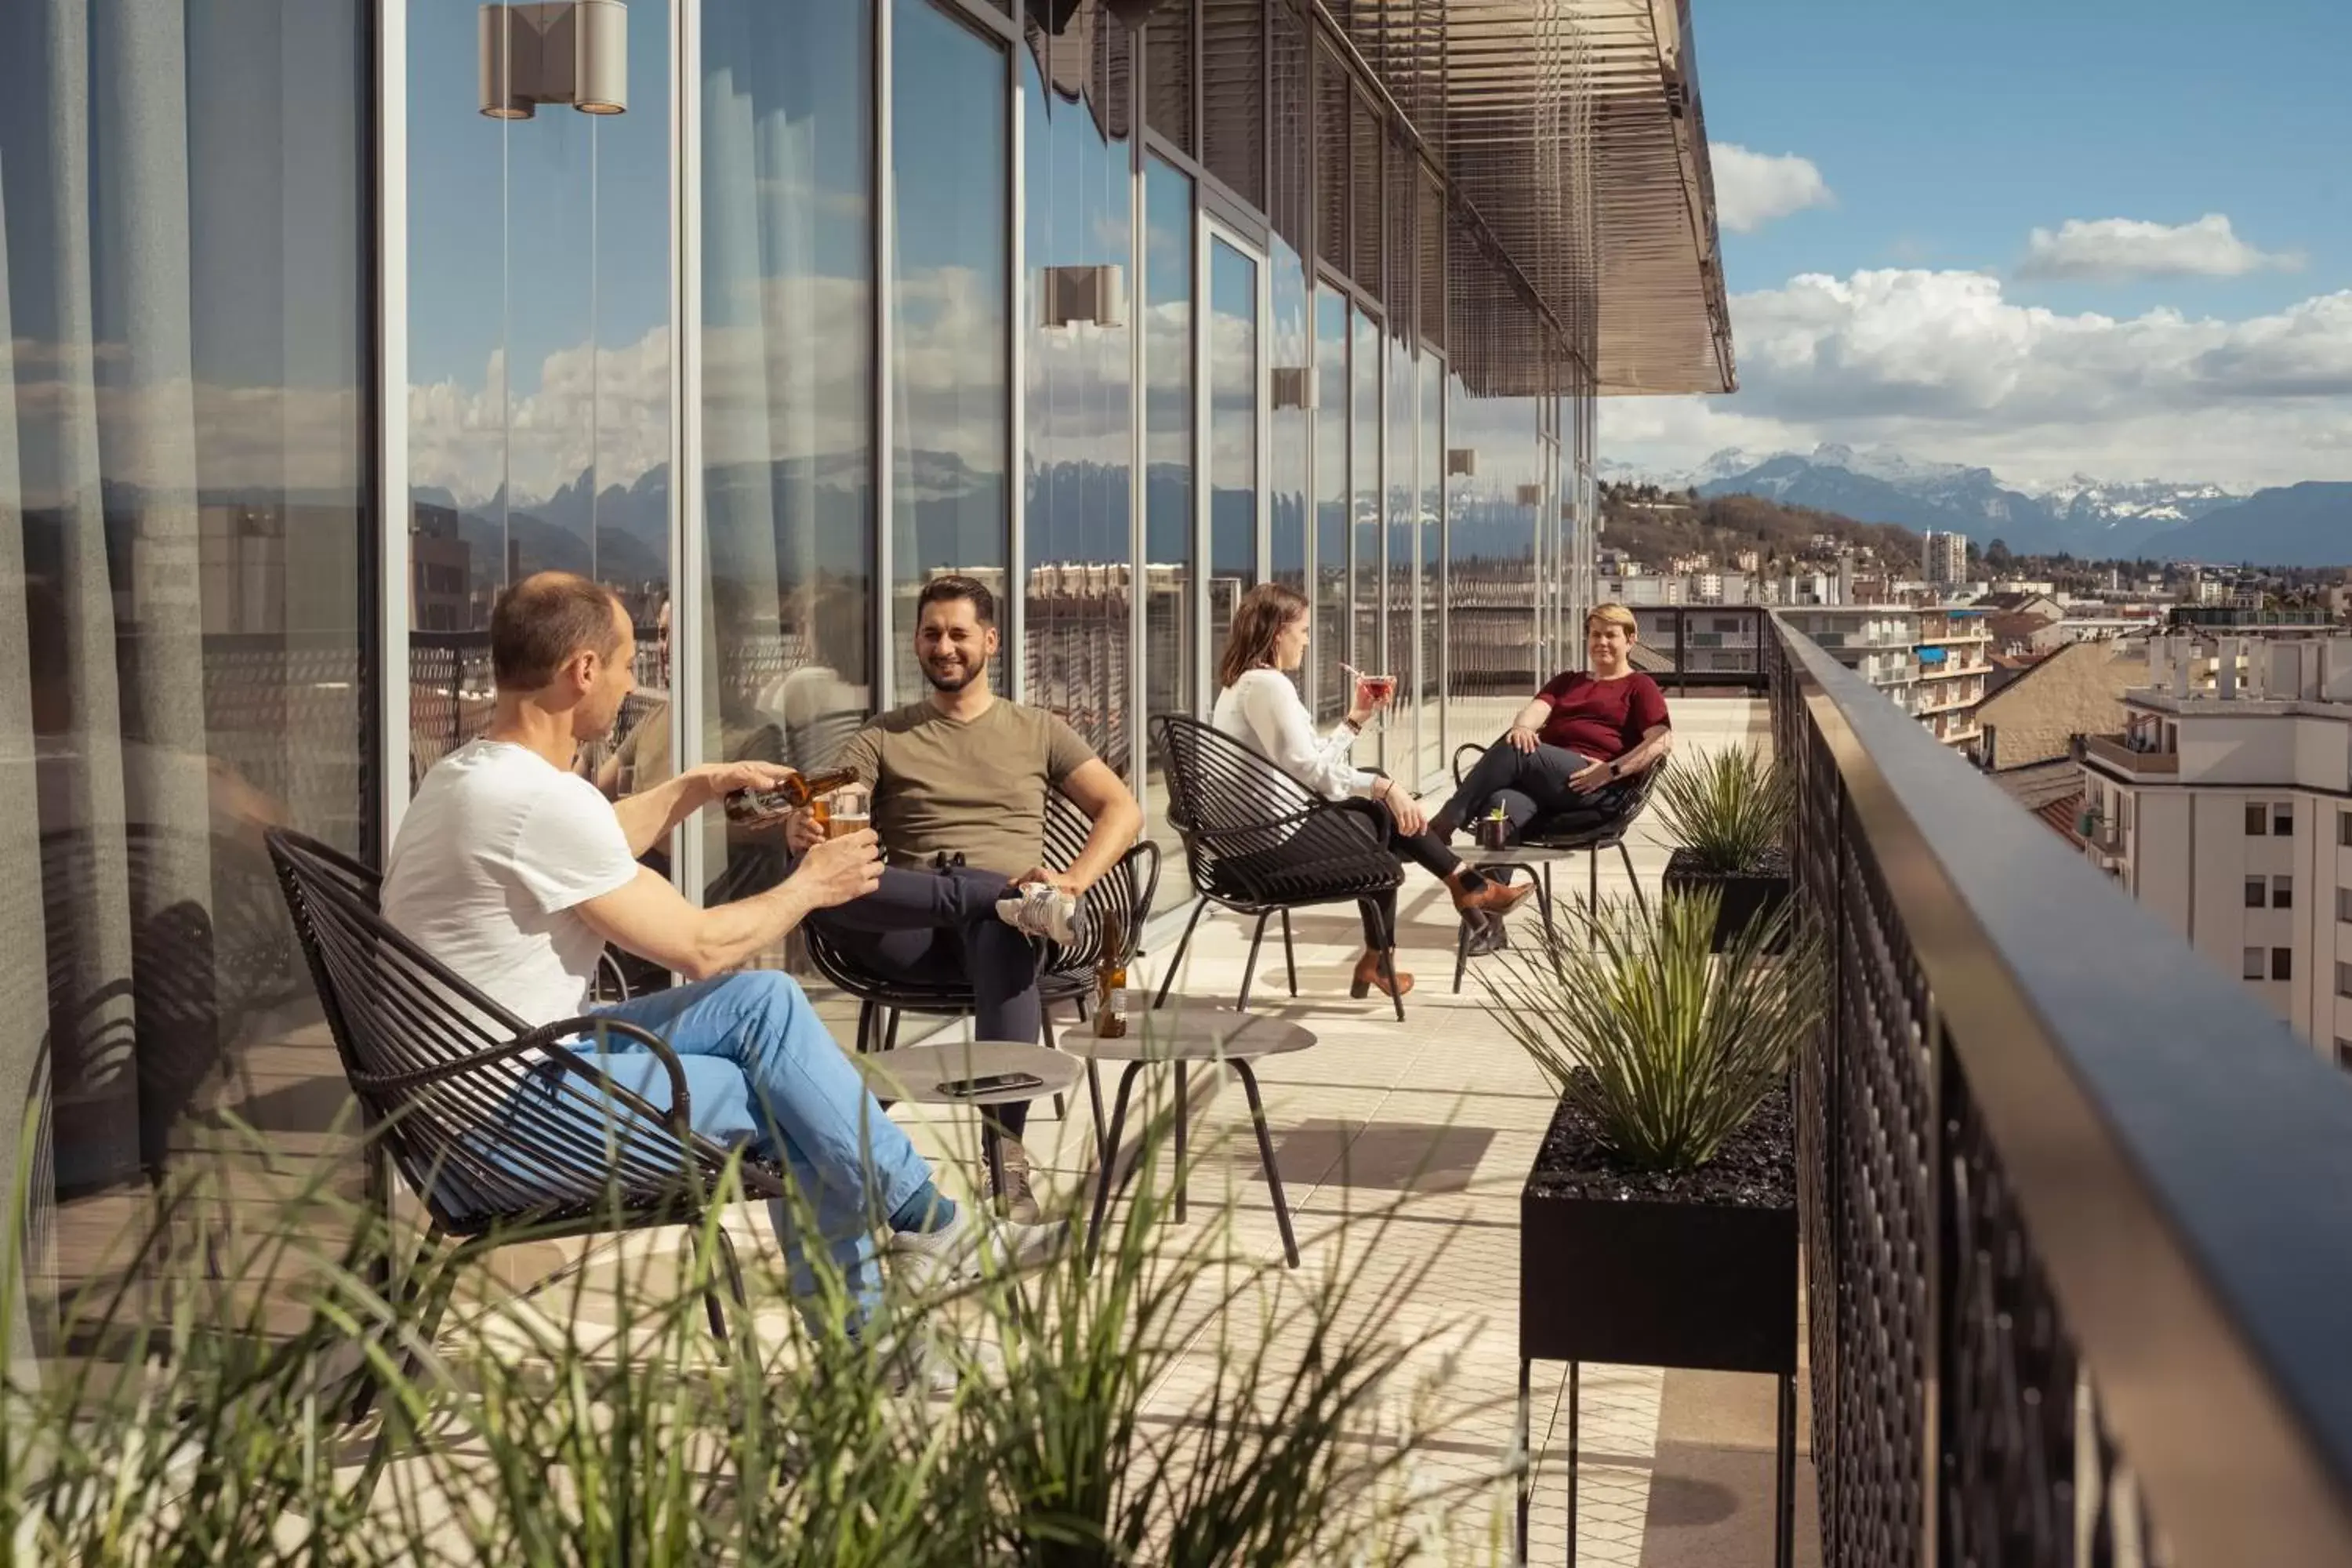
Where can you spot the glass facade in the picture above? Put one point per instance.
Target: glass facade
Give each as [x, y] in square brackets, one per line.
[539, 354]
[1230, 345]
[1333, 578]
[786, 628]
[950, 386]
[1077, 524]
[1290, 436]
[1171, 677]
[188, 651]
[779, 336]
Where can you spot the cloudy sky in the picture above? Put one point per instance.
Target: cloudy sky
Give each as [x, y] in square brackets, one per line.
[2111, 237]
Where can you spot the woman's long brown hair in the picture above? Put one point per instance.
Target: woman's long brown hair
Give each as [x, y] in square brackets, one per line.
[1264, 611]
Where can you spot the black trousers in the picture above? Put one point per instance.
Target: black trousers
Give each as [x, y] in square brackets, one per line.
[942, 926]
[1526, 784]
[1424, 849]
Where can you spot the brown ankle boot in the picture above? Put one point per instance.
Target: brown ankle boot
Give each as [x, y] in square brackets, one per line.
[1369, 978]
[1493, 897]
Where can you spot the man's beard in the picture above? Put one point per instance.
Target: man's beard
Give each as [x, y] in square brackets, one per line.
[949, 685]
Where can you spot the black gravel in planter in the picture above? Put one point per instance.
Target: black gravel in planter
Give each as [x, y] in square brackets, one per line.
[1697, 1269]
[1756, 1167]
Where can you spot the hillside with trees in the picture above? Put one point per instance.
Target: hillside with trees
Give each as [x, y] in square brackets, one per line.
[1656, 526]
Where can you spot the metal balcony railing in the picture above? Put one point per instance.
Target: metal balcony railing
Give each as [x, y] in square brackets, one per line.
[2075, 1203]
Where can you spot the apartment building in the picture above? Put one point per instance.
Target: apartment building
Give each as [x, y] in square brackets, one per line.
[1878, 642]
[1955, 652]
[2225, 805]
[1945, 559]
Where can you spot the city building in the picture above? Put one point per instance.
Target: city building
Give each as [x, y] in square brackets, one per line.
[1122, 308]
[2220, 805]
[1878, 642]
[1955, 657]
[2033, 719]
[1945, 559]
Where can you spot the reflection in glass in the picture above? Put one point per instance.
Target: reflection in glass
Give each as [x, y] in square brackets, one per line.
[539, 359]
[947, 348]
[1401, 751]
[1289, 431]
[1369, 650]
[1079, 565]
[787, 357]
[186, 397]
[1171, 654]
[1232, 433]
[1331, 533]
[1432, 588]
[1492, 598]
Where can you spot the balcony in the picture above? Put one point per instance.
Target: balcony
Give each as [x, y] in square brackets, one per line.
[2074, 1258]
[2119, 756]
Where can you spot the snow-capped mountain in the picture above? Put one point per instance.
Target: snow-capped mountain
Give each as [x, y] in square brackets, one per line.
[2085, 515]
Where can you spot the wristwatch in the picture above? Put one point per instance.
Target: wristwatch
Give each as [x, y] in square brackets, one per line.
[1613, 773]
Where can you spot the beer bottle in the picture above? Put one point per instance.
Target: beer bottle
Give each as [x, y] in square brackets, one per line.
[1110, 974]
[756, 807]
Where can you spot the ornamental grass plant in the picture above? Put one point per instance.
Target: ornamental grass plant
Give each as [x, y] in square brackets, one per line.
[1666, 1047]
[1171, 1400]
[1730, 809]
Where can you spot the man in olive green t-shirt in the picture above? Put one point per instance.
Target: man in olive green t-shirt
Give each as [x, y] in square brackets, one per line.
[959, 782]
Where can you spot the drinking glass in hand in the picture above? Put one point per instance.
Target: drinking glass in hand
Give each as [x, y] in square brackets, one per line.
[849, 809]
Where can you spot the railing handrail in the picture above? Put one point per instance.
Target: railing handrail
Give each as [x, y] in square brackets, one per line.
[2182, 1163]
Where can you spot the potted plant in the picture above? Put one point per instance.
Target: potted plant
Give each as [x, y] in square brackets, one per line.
[1731, 813]
[1658, 1227]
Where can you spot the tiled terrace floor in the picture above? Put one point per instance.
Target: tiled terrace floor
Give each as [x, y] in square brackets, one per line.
[1433, 1122]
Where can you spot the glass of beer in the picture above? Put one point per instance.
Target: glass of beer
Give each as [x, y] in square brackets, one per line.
[849, 809]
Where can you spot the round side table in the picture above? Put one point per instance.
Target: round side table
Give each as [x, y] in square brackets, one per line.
[914, 1074]
[1182, 1031]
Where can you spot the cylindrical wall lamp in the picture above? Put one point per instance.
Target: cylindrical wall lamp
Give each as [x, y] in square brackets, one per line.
[563, 51]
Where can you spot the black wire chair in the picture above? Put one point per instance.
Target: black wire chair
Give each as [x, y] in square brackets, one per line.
[495, 1127]
[1587, 830]
[1260, 843]
[1122, 897]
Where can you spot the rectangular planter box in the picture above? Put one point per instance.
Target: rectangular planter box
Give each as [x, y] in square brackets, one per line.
[1745, 898]
[1651, 1283]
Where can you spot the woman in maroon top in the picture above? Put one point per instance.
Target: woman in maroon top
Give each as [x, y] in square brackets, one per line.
[1584, 733]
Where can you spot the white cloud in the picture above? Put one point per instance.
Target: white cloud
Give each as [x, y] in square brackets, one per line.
[2113, 248]
[1943, 365]
[1752, 189]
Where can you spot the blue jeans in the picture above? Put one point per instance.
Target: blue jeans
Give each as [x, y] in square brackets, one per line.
[762, 1071]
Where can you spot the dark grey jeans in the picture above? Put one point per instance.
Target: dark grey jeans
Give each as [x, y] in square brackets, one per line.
[1526, 784]
[942, 926]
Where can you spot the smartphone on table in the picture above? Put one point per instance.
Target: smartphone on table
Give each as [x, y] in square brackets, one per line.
[990, 1083]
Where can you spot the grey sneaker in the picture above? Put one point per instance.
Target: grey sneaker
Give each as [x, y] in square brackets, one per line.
[930, 1261]
[1016, 1202]
[1040, 908]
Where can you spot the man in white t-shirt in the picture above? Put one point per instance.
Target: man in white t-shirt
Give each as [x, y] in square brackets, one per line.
[515, 871]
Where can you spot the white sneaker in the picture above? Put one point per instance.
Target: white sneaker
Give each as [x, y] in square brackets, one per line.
[957, 1253]
[1040, 908]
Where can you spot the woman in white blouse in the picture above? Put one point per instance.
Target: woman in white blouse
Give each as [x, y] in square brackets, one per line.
[1259, 704]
